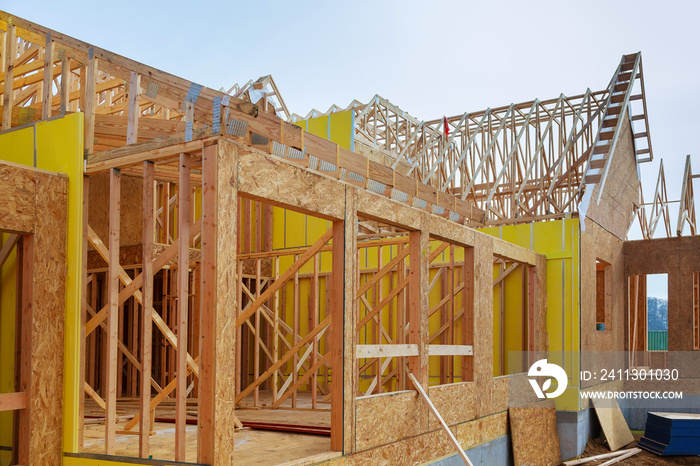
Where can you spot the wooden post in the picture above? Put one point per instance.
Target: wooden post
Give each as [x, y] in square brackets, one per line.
[146, 319]
[90, 101]
[335, 333]
[65, 84]
[184, 214]
[113, 315]
[419, 244]
[47, 87]
[8, 95]
[132, 127]
[217, 388]
[468, 313]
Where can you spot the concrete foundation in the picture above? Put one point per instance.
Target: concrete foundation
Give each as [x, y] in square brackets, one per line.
[497, 452]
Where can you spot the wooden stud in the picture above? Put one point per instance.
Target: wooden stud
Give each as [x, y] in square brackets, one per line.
[8, 94]
[90, 103]
[335, 336]
[113, 314]
[184, 214]
[146, 320]
[47, 87]
[132, 128]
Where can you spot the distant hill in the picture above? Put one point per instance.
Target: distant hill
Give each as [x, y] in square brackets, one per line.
[657, 311]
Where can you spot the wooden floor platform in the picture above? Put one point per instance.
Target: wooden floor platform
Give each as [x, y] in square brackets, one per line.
[272, 445]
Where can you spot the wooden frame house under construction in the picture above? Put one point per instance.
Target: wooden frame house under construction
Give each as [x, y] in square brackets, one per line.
[200, 276]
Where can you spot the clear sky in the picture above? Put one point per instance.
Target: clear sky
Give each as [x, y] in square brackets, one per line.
[657, 285]
[430, 58]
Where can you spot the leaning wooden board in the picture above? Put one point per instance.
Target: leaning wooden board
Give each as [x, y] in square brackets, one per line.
[535, 435]
[613, 423]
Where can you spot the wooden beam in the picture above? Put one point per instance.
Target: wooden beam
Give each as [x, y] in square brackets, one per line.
[113, 314]
[450, 350]
[13, 401]
[385, 351]
[184, 214]
[147, 305]
[444, 426]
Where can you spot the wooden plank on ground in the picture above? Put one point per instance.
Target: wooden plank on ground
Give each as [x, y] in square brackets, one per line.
[613, 423]
[534, 434]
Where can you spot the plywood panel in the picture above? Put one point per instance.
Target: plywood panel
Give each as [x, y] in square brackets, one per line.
[130, 231]
[383, 419]
[17, 211]
[280, 183]
[621, 189]
[534, 435]
[615, 428]
[218, 346]
[455, 402]
[49, 288]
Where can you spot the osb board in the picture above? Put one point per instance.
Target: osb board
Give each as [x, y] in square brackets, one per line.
[376, 206]
[349, 331]
[383, 419]
[534, 435]
[455, 402]
[483, 319]
[280, 183]
[499, 395]
[48, 309]
[613, 423]
[520, 392]
[621, 189]
[226, 299]
[512, 251]
[598, 243]
[678, 257]
[430, 446]
[450, 231]
[17, 210]
[131, 217]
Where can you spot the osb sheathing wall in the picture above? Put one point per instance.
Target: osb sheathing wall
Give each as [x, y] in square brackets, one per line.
[398, 425]
[130, 225]
[35, 204]
[621, 189]
[598, 243]
[602, 237]
[679, 258]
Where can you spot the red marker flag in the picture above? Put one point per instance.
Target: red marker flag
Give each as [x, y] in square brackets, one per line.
[447, 128]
